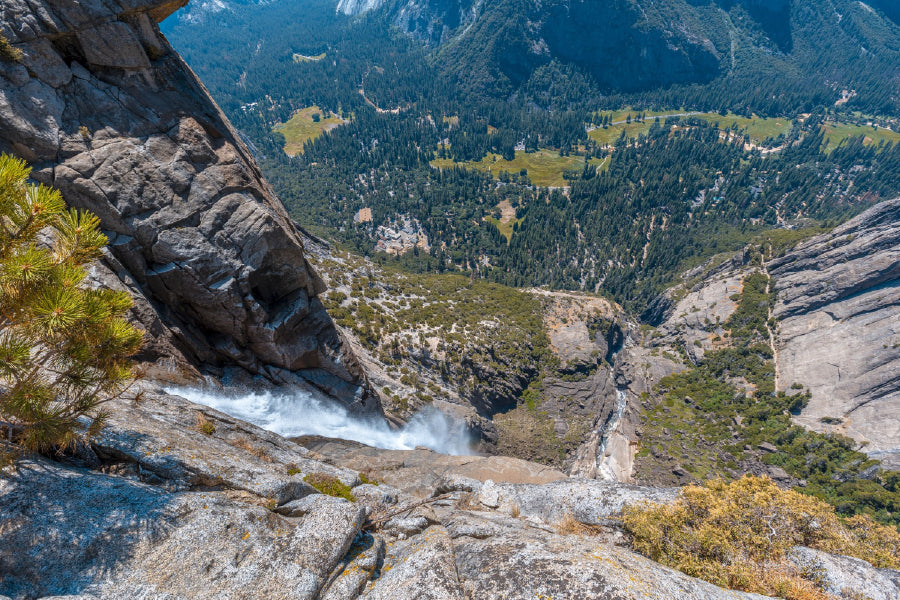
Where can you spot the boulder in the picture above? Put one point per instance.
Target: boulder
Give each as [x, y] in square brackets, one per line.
[361, 564]
[376, 495]
[161, 437]
[588, 501]
[422, 568]
[844, 576]
[421, 471]
[506, 560]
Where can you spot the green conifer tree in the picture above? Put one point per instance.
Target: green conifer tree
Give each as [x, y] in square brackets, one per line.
[64, 347]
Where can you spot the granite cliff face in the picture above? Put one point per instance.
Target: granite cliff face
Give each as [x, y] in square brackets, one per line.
[837, 334]
[106, 112]
[838, 307]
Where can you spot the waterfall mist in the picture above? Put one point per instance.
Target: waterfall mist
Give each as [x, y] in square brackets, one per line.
[296, 412]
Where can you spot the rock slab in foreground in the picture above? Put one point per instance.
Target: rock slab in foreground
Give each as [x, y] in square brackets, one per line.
[225, 518]
[517, 564]
[70, 531]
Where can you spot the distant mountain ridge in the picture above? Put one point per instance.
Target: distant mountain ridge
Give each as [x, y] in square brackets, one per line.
[637, 45]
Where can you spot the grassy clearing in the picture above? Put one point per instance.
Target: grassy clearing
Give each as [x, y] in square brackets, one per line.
[506, 221]
[544, 168]
[303, 127]
[649, 115]
[606, 137]
[505, 227]
[302, 58]
[757, 128]
[835, 133]
[602, 164]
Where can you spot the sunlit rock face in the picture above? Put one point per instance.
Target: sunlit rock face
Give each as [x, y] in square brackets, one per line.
[356, 7]
[839, 329]
[108, 113]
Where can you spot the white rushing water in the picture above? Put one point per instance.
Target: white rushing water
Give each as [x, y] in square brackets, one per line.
[295, 412]
[604, 469]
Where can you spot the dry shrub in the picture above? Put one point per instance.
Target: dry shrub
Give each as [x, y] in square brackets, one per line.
[8, 457]
[244, 444]
[569, 525]
[738, 535]
[204, 425]
[871, 541]
[468, 501]
[8, 51]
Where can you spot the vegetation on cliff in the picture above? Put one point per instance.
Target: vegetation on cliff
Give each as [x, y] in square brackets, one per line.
[739, 535]
[8, 51]
[438, 332]
[728, 403]
[64, 346]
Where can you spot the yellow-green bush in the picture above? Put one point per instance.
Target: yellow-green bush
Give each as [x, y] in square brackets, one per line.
[738, 534]
[8, 51]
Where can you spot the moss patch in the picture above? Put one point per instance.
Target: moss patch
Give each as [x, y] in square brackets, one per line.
[330, 486]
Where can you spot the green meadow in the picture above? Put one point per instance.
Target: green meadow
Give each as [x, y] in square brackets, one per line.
[303, 127]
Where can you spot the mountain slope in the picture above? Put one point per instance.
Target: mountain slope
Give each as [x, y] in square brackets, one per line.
[642, 46]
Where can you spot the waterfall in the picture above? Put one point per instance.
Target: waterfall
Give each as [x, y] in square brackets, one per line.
[293, 412]
[604, 469]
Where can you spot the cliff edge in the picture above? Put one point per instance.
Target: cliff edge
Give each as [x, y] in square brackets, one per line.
[106, 111]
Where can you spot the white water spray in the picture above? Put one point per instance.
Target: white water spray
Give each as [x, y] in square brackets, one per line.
[604, 470]
[296, 412]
